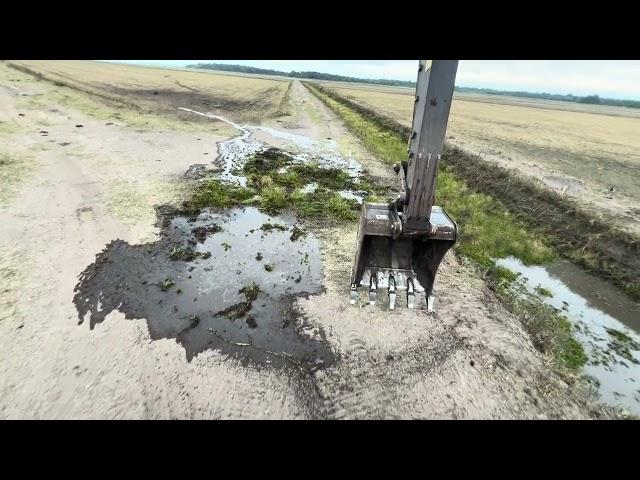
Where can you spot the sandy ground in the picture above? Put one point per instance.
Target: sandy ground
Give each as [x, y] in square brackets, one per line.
[471, 360]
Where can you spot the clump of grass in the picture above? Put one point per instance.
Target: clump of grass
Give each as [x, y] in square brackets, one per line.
[269, 267]
[267, 227]
[250, 291]
[543, 292]
[296, 233]
[194, 321]
[259, 256]
[166, 284]
[201, 233]
[235, 311]
[275, 183]
[226, 246]
[212, 193]
[623, 344]
[185, 254]
[273, 199]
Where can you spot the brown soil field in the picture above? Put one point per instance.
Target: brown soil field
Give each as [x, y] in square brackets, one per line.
[151, 89]
[578, 150]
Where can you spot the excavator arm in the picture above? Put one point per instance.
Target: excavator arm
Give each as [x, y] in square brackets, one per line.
[401, 244]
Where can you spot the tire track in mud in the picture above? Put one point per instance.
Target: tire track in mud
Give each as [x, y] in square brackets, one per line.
[372, 384]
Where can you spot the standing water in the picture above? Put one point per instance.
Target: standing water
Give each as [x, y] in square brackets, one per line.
[607, 324]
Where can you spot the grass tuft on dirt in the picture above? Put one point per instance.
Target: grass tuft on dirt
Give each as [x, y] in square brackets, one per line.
[250, 291]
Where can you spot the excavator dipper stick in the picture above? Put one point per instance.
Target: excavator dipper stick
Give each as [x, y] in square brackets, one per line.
[401, 244]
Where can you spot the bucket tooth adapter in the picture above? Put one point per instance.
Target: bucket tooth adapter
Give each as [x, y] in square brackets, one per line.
[401, 244]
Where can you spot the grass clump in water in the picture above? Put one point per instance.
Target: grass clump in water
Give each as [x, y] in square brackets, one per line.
[235, 311]
[623, 344]
[267, 227]
[180, 252]
[273, 199]
[250, 291]
[543, 292]
[166, 284]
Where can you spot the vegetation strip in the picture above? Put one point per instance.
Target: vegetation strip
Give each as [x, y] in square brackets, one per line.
[588, 241]
[276, 183]
[488, 231]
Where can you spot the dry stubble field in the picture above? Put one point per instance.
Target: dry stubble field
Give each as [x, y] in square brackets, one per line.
[575, 149]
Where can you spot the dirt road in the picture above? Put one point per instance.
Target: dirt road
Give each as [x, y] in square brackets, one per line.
[91, 182]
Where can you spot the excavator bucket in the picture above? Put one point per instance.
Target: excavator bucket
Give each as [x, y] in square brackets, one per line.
[406, 265]
[401, 244]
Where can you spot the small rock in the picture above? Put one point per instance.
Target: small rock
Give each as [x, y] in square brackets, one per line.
[79, 125]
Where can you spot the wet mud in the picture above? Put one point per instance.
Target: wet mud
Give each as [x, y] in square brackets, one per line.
[219, 298]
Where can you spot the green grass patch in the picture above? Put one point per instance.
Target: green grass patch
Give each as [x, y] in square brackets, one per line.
[275, 183]
[212, 193]
[543, 292]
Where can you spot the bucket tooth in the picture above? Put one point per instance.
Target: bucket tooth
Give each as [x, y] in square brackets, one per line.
[353, 294]
[392, 293]
[431, 303]
[411, 294]
[373, 287]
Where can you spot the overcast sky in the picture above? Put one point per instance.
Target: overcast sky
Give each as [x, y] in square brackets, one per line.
[607, 78]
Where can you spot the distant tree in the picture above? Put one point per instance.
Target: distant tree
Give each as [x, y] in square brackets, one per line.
[592, 99]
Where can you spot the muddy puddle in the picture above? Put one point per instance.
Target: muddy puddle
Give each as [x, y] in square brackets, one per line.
[215, 281]
[607, 324]
[225, 281]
